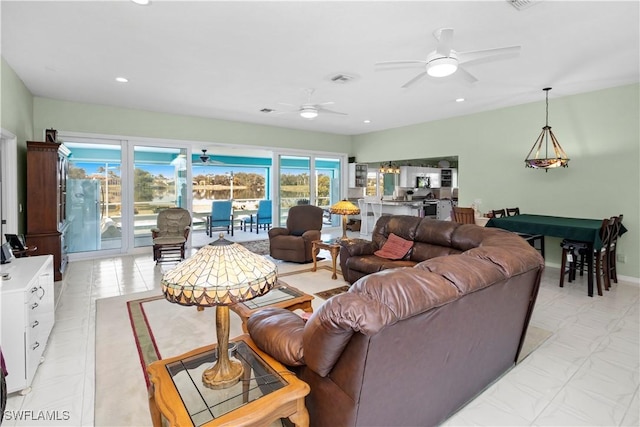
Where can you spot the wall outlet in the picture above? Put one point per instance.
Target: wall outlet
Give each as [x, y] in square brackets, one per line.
[621, 258]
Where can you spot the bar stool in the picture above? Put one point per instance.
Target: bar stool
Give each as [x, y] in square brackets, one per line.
[364, 214]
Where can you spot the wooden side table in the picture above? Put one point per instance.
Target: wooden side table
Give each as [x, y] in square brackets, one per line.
[281, 296]
[333, 247]
[266, 392]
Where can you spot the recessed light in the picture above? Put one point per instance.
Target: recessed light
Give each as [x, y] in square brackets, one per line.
[141, 2]
[122, 80]
[459, 99]
[367, 121]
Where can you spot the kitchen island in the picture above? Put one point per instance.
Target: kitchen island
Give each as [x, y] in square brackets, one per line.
[432, 208]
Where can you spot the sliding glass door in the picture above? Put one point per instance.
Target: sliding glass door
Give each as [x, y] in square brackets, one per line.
[327, 187]
[159, 182]
[94, 196]
[309, 180]
[294, 183]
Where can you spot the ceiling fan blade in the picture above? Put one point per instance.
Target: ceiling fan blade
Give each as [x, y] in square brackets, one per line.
[286, 104]
[445, 39]
[414, 80]
[402, 62]
[326, 110]
[466, 75]
[475, 55]
[325, 103]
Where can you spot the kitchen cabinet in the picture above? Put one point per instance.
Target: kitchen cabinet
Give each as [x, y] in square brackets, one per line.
[27, 316]
[47, 171]
[448, 178]
[358, 175]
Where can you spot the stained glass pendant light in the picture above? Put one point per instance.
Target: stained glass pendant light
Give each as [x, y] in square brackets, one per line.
[535, 161]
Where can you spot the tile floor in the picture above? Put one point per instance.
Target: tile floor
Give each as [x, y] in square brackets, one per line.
[587, 373]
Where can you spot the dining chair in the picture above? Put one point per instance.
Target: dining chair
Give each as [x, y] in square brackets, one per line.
[577, 252]
[263, 216]
[221, 217]
[535, 240]
[464, 215]
[613, 243]
[498, 213]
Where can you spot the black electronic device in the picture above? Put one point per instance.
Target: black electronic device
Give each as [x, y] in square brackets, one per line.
[16, 241]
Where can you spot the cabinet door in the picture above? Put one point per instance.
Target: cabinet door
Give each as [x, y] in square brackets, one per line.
[13, 339]
[357, 175]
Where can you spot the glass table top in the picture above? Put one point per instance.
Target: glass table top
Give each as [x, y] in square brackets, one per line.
[204, 404]
[277, 294]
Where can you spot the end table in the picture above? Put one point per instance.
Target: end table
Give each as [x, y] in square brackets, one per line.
[333, 246]
[266, 392]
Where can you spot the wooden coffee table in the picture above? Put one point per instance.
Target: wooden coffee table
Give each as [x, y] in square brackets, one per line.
[281, 296]
[266, 392]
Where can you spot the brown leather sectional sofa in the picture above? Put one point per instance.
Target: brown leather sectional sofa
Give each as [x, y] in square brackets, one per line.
[409, 346]
[432, 238]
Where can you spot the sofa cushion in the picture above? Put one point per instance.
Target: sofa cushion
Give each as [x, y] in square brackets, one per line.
[394, 248]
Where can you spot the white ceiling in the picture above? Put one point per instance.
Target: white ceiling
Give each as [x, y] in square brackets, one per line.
[228, 60]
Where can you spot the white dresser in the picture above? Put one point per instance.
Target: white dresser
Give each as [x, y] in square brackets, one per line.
[27, 316]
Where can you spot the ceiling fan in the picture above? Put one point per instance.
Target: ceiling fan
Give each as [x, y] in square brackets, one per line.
[444, 61]
[206, 159]
[309, 110]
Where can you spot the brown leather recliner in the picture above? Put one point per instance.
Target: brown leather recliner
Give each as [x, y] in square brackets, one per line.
[293, 242]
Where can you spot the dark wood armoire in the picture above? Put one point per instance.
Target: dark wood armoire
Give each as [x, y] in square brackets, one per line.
[47, 171]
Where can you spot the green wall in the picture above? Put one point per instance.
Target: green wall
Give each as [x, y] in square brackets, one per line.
[598, 130]
[16, 116]
[77, 117]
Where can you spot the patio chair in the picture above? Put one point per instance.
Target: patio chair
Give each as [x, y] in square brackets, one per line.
[221, 217]
[263, 216]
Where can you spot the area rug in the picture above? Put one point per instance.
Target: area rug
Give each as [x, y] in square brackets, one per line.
[121, 397]
[332, 292]
[260, 247]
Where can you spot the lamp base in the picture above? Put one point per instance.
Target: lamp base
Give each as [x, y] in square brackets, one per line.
[344, 228]
[222, 375]
[225, 372]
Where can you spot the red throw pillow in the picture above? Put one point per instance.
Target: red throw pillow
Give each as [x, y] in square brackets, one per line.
[394, 248]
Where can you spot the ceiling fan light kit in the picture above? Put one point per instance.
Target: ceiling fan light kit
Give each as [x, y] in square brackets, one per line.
[442, 66]
[536, 162]
[308, 112]
[204, 157]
